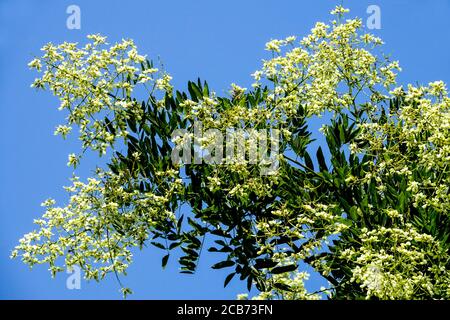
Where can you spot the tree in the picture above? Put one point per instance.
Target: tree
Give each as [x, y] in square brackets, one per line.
[370, 213]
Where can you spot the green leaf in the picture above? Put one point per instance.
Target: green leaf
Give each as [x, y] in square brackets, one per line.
[164, 260]
[344, 204]
[342, 135]
[221, 242]
[205, 89]
[228, 279]
[179, 222]
[158, 245]
[308, 162]
[194, 91]
[197, 226]
[402, 202]
[321, 160]
[132, 125]
[249, 282]
[282, 286]
[192, 253]
[109, 126]
[283, 269]
[223, 264]
[193, 240]
[188, 265]
[264, 263]
[353, 213]
[174, 245]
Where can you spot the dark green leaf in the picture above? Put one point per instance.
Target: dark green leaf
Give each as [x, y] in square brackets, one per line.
[228, 279]
[321, 160]
[284, 269]
[164, 261]
[223, 264]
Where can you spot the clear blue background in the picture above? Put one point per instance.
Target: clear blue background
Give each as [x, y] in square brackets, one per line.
[221, 41]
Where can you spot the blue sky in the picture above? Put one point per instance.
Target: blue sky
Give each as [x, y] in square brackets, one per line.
[220, 41]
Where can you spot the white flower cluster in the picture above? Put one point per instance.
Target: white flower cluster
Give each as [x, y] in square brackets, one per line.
[327, 71]
[422, 128]
[93, 83]
[393, 263]
[104, 219]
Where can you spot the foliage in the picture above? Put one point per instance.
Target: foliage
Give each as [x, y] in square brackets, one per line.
[368, 209]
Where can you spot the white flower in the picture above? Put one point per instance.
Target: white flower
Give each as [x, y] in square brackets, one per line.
[35, 64]
[63, 130]
[73, 160]
[274, 45]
